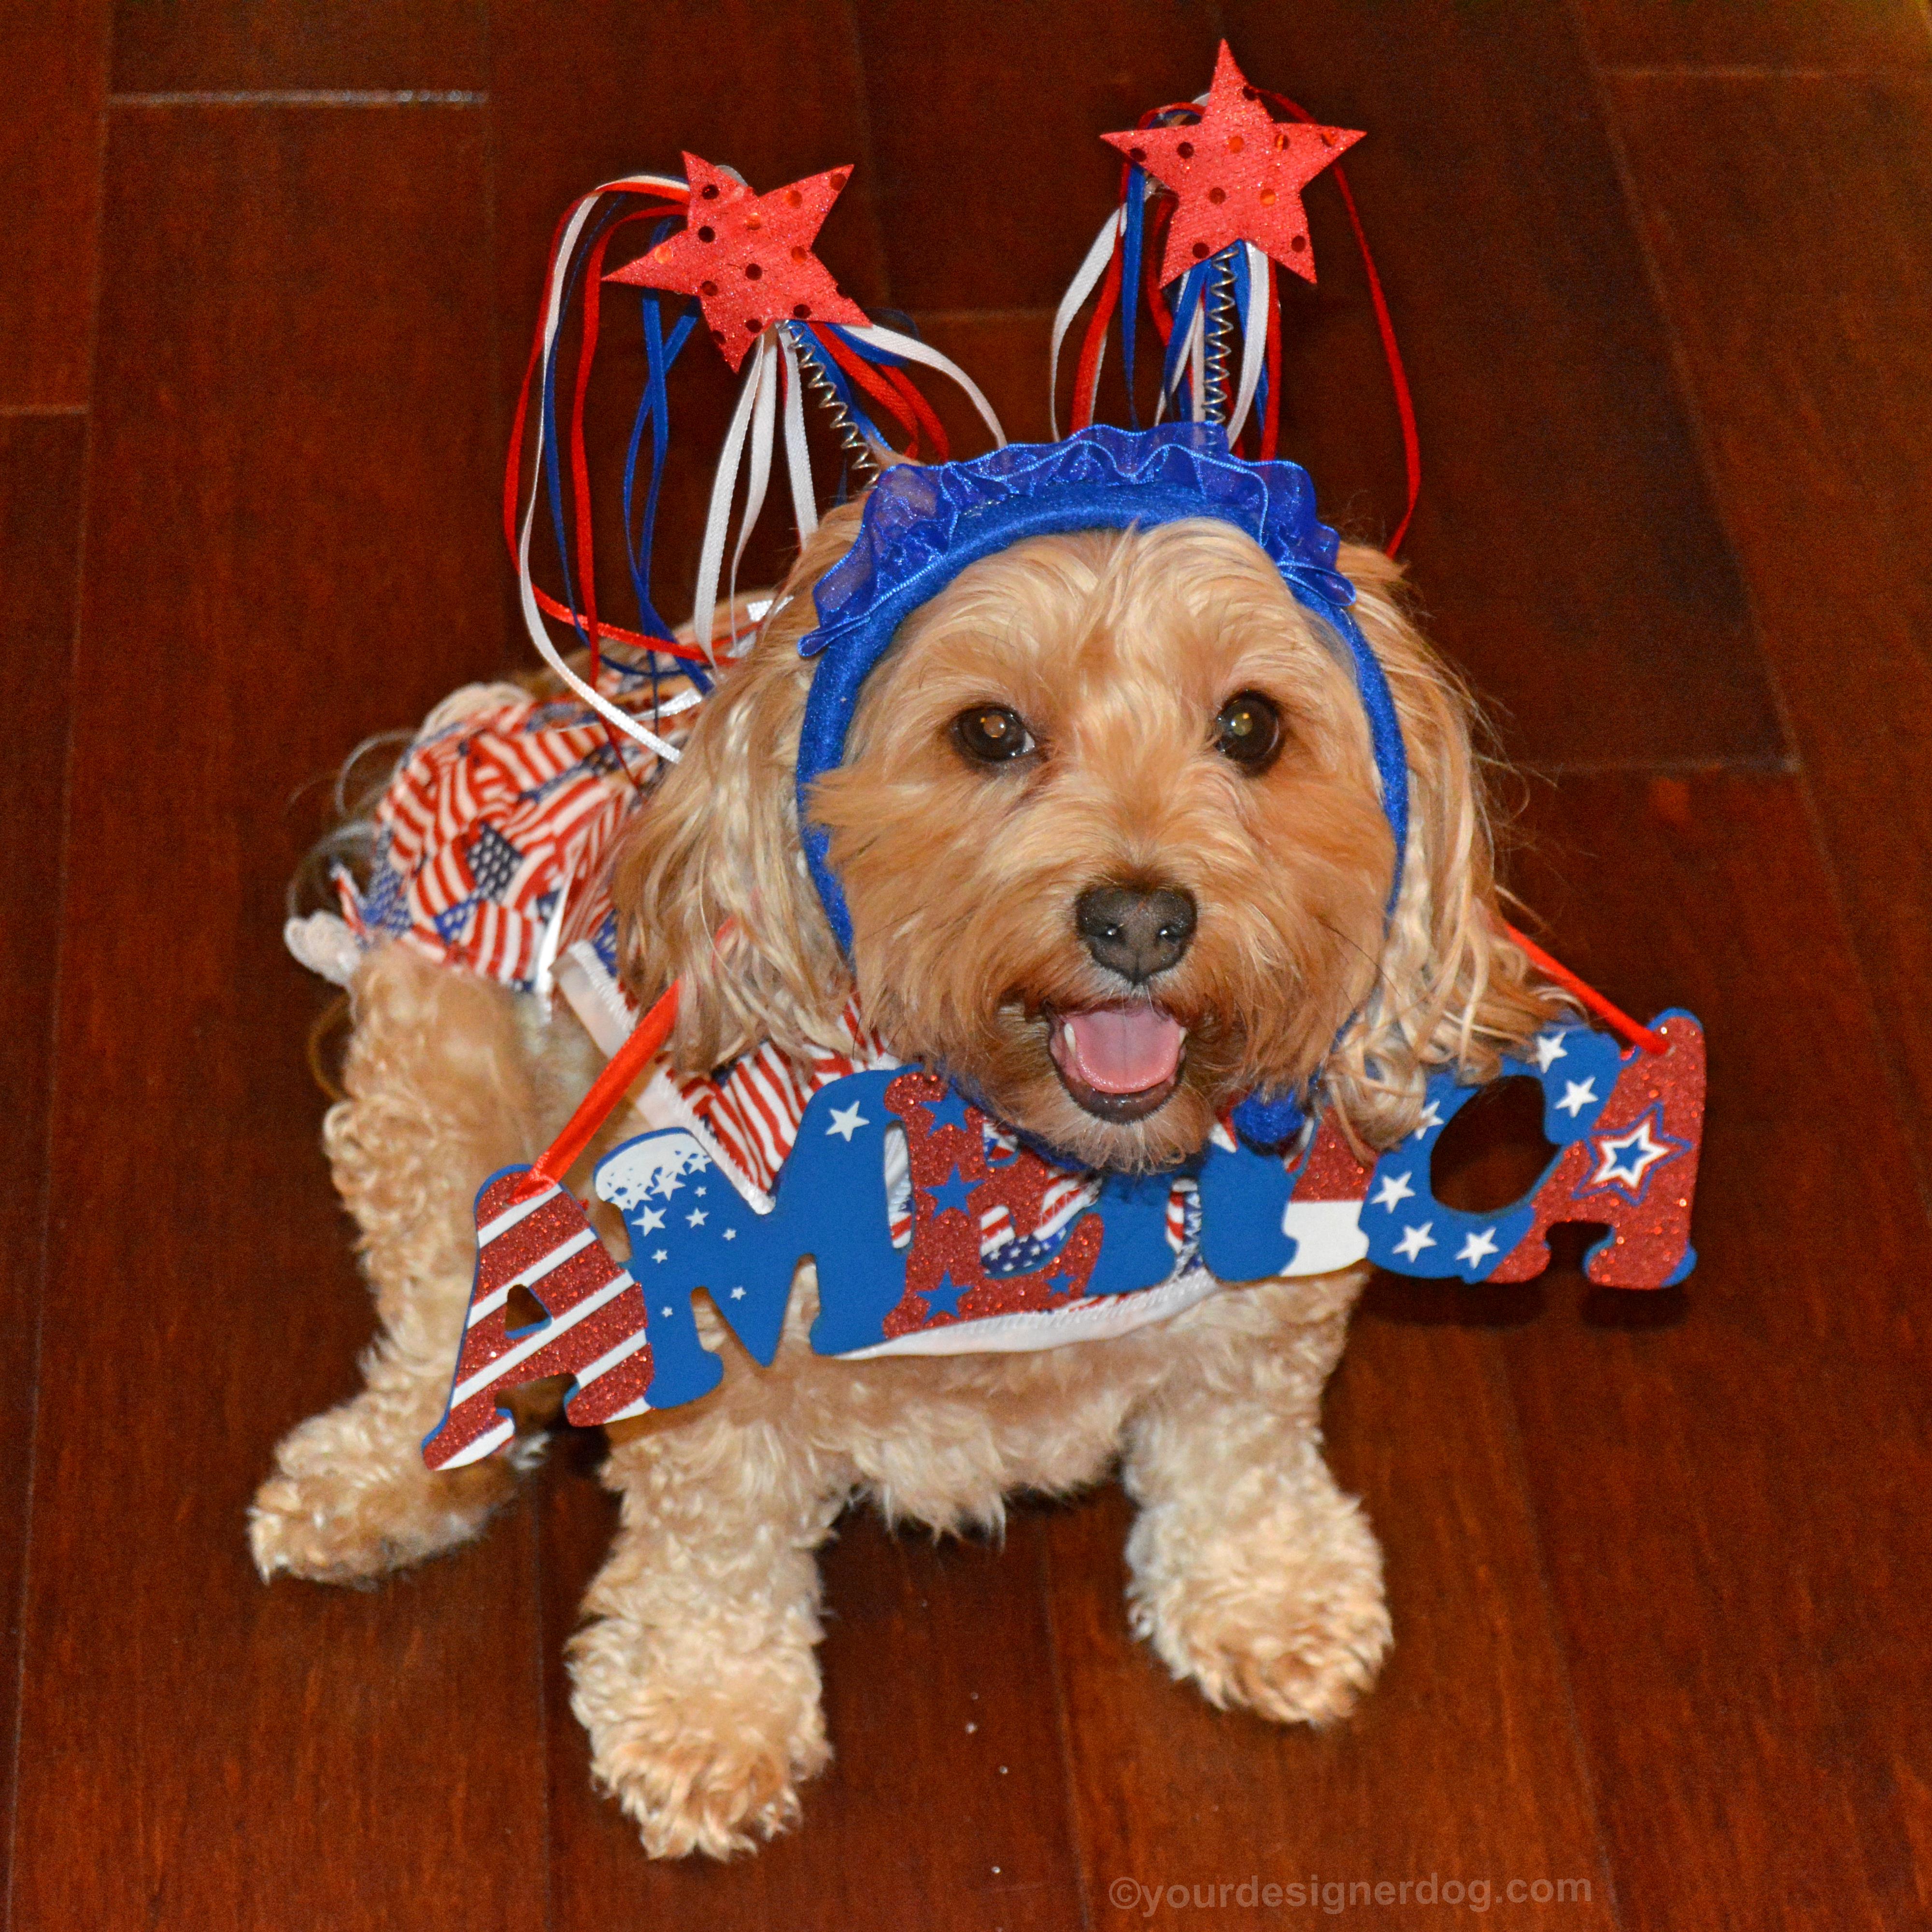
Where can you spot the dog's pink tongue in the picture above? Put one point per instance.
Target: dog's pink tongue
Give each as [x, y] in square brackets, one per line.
[1124, 1049]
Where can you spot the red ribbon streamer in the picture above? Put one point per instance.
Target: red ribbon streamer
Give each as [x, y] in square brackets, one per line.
[872, 382]
[586, 621]
[610, 1086]
[1087, 377]
[929, 423]
[1082, 413]
[1638, 1035]
[1404, 405]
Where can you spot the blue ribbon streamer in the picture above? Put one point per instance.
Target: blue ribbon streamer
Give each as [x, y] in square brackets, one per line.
[869, 352]
[1134, 208]
[1193, 291]
[553, 457]
[653, 408]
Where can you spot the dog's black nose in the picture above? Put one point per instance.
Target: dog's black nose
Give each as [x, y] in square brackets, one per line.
[1133, 933]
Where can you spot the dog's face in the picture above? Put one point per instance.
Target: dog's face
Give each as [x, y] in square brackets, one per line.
[1109, 833]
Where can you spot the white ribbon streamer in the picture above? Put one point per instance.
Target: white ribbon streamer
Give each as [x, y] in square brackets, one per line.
[798, 457]
[915, 351]
[753, 421]
[775, 375]
[547, 948]
[723, 487]
[759, 472]
[1197, 360]
[1254, 337]
[1086, 280]
[533, 617]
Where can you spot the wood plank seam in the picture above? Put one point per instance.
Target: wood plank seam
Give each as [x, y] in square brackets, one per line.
[1076, 1824]
[305, 97]
[1546, 1588]
[1692, 71]
[531, 1522]
[1699, 431]
[1783, 765]
[532, 1525]
[43, 1242]
[43, 1258]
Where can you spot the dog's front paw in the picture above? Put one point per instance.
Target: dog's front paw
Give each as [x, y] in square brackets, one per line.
[1285, 1613]
[708, 1761]
[351, 1499]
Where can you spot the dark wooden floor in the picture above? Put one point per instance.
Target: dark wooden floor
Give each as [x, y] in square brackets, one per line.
[1660, 1567]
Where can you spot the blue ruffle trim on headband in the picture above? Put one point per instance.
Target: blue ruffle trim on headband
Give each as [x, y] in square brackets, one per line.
[922, 526]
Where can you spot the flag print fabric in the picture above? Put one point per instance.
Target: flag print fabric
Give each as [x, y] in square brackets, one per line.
[494, 837]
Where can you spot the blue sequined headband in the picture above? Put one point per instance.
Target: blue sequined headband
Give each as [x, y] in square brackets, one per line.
[922, 526]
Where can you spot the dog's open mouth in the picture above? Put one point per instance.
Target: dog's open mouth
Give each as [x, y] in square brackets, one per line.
[1119, 1061]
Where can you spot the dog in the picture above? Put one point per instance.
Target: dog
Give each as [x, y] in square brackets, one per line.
[1108, 829]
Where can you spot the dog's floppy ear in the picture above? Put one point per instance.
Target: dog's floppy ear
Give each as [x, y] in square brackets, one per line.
[1454, 990]
[711, 887]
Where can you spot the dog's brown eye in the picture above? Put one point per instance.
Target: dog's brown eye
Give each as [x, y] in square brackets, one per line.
[1248, 730]
[992, 734]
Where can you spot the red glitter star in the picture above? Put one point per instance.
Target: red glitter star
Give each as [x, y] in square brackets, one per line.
[1239, 175]
[748, 258]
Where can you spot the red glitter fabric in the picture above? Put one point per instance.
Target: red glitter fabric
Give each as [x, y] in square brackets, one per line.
[1239, 174]
[748, 258]
[1654, 1119]
[946, 1279]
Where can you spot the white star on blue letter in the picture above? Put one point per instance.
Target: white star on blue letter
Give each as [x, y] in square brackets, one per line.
[1577, 1094]
[1478, 1249]
[1414, 1239]
[1394, 1190]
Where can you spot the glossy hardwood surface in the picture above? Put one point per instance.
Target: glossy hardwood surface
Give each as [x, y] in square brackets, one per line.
[1473, 1704]
[54, 54]
[230, 46]
[195, 1748]
[1656, 1563]
[1838, 36]
[1728, 1479]
[1576, 572]
[42, 460]
[1820, 415]
[916, 1823]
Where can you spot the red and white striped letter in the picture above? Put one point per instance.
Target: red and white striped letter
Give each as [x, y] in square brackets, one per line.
[593, 1327]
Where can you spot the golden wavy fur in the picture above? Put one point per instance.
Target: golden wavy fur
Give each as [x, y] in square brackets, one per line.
[1118, 649]
[1250, 1572]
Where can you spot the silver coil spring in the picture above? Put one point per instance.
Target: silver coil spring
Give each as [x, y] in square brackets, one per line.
[1223, 324]
[851, 438]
